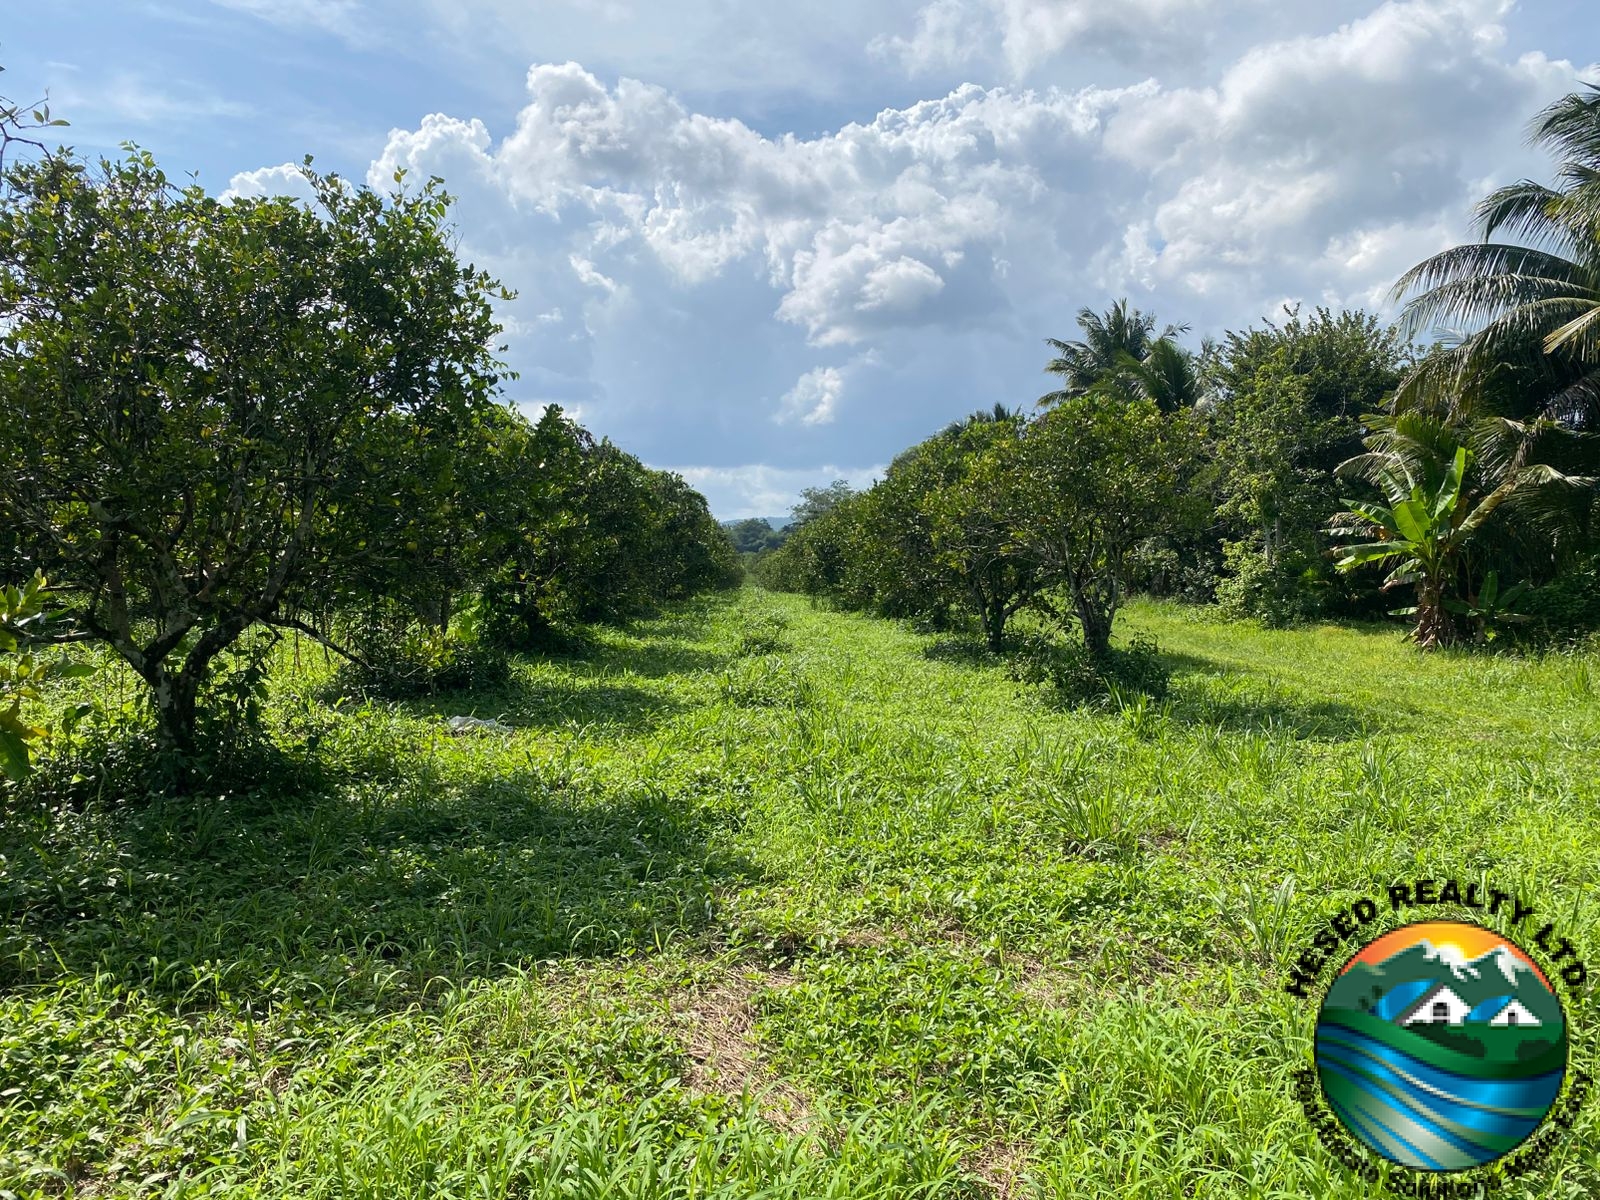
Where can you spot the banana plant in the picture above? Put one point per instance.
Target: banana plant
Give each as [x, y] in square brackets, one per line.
[1491, 607]
[24, 674]
[1424, 531]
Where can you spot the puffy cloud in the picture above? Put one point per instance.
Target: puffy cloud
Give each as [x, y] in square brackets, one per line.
[1033, 31]
[1228, 193]
[814, 399]
[678, 270]
[859, 230]
[285, 180]
[1025, 34]
[948, 34]
[1310, 146]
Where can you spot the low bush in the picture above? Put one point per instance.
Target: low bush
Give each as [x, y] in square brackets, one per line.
[1081, 678]
[399, 662]
[1566, 608]
[1292, 590]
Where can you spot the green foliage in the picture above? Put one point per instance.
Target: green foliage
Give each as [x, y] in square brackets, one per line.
[766, 681]
[1120, 352]
[261, 413]
[658, 942]
[1423, 529]
[18, 121]
[754, 535]
[1493, 609]
[219, 413]
[818, 502]
[399, 659]
[945, 528]
[765, 633]
[986, 515]
[1080, 677]
[1569, 605]
[1098, 476]
[233, 708]
[1290, 401]
[586, 532]
[24, 675]
[1525, 291]
[1283, 590]
[1517, 386]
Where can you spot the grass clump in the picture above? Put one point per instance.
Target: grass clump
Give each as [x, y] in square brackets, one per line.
[765, 632]
[767, 681]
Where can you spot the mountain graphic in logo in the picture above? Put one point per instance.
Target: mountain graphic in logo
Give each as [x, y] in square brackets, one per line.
[1441, 1046]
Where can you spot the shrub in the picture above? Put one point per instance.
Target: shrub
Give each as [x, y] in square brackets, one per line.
[1567, 607]
[24, 674]
[1293, 589]
[401, 661]
[765, 634]
[1082, 678]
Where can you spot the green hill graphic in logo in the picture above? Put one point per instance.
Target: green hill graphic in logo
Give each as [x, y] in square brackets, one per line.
[1441, 1046]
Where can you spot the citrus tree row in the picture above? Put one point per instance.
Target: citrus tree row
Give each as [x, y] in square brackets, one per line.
[222, 416]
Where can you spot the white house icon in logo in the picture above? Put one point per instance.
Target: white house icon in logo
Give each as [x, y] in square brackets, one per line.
[1440, 1005]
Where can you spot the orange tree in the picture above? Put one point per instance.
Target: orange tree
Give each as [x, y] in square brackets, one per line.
[212, 410]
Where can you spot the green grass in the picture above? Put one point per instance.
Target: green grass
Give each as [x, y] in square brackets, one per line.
[763, 900]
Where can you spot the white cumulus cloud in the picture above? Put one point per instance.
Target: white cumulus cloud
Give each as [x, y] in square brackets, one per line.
[815, 399]
[679, 267]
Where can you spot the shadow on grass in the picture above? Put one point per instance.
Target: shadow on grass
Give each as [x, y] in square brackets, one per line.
[375, 896]
[658, 660]
[593, 704]
[966, 650]
[364, 862]
[1208, 693]
[596, 687]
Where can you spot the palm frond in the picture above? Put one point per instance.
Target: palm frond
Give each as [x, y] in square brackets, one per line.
[1571, 126]
[1464, 287]
[1526, 210]
[1580, 336]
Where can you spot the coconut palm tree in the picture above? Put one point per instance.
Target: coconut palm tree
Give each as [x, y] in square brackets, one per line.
[1527, 295]
[1111, 340]
[1169, 375]
[1518, 383]
[986, 416]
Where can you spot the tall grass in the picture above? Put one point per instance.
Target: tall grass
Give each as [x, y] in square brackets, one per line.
[761, 900]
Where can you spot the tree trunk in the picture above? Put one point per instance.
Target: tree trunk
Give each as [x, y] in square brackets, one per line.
[535, 625]
[175, 704]
[1096, 623]
[1434, 628]
[994, 625]
[176, 694]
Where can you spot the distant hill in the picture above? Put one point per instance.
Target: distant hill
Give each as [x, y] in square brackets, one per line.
[775, 522]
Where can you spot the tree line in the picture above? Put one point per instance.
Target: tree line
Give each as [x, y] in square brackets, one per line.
[267, 415]
[1320, 465]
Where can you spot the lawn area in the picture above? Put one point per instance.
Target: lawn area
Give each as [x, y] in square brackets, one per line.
[760, 899]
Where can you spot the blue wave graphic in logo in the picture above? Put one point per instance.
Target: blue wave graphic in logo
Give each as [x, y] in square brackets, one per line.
[1421, 1116]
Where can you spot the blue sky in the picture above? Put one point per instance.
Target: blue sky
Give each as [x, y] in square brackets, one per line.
[770, 245]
